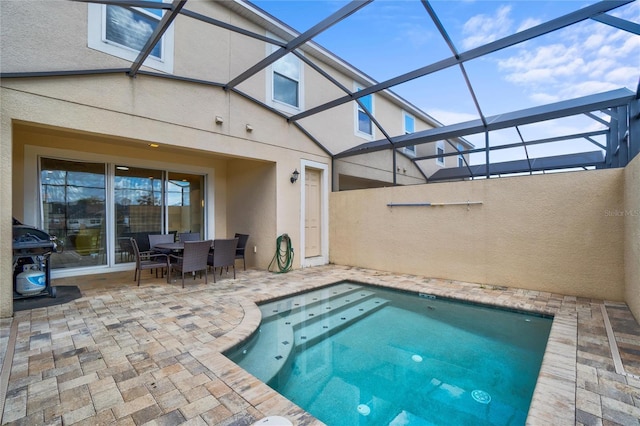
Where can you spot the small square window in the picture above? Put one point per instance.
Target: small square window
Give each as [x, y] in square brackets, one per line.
[364, 125]
[285, 90]
[364, 122]
[440, 152]
[409, 127]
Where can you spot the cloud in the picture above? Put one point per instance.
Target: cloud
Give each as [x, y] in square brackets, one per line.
[590, 58]
[582, 59]
[528, 23]
[450, 117]
[482, 29]
[415, 34]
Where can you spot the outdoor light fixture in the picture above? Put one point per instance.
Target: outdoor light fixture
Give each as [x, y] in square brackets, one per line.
[249, 128]
[219, 120]
[294, 176]
[154, 145]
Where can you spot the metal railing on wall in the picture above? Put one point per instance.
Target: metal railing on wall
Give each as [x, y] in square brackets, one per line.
[458, 203]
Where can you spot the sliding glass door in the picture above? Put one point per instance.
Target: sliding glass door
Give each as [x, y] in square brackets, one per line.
[137, 195]
[185, 203]
[80, 207]
[73, 196]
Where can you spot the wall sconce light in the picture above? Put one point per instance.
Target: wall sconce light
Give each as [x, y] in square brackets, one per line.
[219, 120]
[249, 128]
[294, 176]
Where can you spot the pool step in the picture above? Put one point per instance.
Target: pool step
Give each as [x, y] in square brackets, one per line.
[286, 334]
[306, 301]
[312, 332]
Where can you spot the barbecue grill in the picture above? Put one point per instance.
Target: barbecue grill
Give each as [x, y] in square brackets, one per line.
[32, 249]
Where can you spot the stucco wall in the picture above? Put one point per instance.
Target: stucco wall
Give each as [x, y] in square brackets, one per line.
[251, 208]
[543, 232]
[632, 236]
[6, 253]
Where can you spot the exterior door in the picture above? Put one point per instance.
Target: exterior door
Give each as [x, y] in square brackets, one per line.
[312, 224]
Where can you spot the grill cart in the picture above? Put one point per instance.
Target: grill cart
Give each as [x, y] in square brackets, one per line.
[32, 249]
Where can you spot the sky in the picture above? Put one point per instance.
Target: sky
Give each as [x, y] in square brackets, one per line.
[390, 37]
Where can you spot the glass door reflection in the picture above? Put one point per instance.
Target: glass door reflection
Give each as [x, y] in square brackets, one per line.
[138, 195]
[185, 203]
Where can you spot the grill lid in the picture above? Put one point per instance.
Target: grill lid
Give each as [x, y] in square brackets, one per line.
[29, 238]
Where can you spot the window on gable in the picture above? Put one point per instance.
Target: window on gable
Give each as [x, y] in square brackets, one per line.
[123, 32]
[286, 80]
[440, 152]
[364, 124]
[460, 156]
[409, 127]
[131, 28]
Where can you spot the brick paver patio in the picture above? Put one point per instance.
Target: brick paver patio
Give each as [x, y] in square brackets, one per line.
[152, 355]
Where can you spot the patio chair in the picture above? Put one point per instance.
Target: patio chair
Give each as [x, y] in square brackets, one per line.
[193, 259]
[242, 244]
[160, 239]
[189, 236]
[224, 255]
[147, 260]
[126, 251]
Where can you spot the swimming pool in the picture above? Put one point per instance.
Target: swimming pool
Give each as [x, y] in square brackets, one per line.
[352, 354]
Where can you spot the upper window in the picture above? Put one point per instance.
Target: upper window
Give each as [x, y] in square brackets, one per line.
[123, 32]
[460, 156]
[440, 152]
[364, 125]
[409, 127]
[286, 80]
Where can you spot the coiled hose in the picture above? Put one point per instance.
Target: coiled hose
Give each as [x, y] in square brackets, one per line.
[283, 256]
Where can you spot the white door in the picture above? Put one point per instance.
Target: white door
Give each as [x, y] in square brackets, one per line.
[312, 220]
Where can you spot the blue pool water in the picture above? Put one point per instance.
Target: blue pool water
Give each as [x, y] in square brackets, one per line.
[358, 355]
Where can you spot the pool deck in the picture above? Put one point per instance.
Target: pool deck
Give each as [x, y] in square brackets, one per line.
[152, 355]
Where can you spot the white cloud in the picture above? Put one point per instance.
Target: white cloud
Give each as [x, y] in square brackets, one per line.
[591, 57]
[415, 34]
[528, 23]
[450, 117]
[482, 29]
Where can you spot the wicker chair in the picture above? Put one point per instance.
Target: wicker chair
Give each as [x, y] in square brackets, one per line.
[193, 259]
[224, 254]
[160, 239]
[189, 236]
[242, 244]
[147, 260]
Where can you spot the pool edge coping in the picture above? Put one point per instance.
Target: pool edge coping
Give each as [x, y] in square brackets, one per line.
[554, 396]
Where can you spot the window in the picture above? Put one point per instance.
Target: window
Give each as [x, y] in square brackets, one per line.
[460, 156]
[73, 196]
[94, 221]
[123, 32]
[364, 126]
[440, 152]
[409, 127]
[286, 81]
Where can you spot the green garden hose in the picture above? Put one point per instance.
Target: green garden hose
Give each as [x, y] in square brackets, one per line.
[283, 256]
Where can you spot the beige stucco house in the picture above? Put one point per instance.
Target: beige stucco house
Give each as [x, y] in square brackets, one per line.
[98, 146]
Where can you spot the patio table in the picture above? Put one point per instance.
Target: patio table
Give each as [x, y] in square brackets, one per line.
[177, 246]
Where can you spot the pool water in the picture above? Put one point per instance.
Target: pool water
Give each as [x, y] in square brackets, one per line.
[358, 355]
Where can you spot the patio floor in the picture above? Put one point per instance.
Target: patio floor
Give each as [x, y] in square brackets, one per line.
[152, 355]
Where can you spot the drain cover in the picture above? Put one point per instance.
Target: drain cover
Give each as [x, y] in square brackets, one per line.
[481, 396]
[364, 409]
